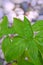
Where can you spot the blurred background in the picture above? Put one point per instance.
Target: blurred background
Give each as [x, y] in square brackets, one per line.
[32, 9]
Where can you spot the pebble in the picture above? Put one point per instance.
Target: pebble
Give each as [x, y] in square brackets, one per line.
[40, 17]
[17, 1]
[1, 13]
[10, 16]
[27, 16]
[32, 15]
[0, 52]
[4, 63]
[1, 2]
[25, 6]
[2, 55]
[21, 17]
[19, 11]
[8, 6]
[40, 2]
[33, 2]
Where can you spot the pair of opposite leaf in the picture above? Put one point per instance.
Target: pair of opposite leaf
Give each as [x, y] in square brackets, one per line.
[15, 47]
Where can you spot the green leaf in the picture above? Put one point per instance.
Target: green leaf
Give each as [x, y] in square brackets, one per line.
[3, 26]
[18, 26]
[14, 48]
[11, 30]
[39, 38]
[4, 29]
[23, 28]
[33, 52]
[38, 26]
[27, 28]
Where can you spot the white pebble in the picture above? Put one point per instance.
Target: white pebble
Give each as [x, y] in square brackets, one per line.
[0, 52]
[17, 1]
[8, 6]
[2, 56]
[1, 2]
[40, 2]
[29, 18]
[32, 15]
[19, 11]
[10, 16]
[21, 17]
[1, 13]
[5, 63]
[33, 2]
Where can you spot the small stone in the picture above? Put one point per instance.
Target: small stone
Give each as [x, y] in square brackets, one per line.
[1, 2]
[1, 13]
[8, 6]
[19, 11]
[40, 2]
[32, 15]
[17, 1]
[33, 3]
[0, 52]
[25, 6]
[4, 63]
[10, 16]
[2, 56]
[21, 17]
